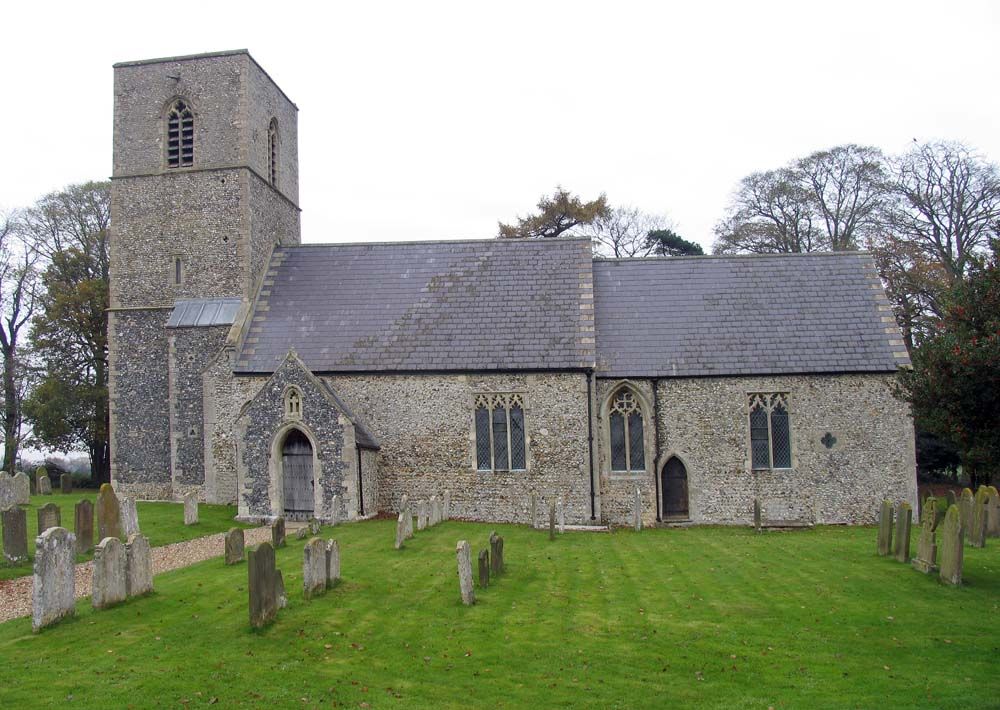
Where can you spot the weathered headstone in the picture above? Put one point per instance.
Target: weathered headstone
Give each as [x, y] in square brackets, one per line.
[926, 559]
[280, 595]
[108, 513]
[44, 486]
[14, 524]
[400, 530]
[484, 568]
[494, 553]
[533, 510]
[191, 508]
[54, 589]
[302, 533]
[315, 526]
[421, 514]
[108, 587]
[7, 496]
[278, 533]
[66, 483]
[977, 520]
[446, 510]
[552, 520]
[562, 516]
[433, 512]
[263, 585]
[756, 515]
[49, 516]
[83, 519]
[335, 510]
[129, 515]
[950, 551]
[332, 563]
[313, 568]
[885, 529]
[950, 497]
[464, 555]
[139, 566]
[234, 546]
[965, 503]
[637, 510]
[993, 513]
[901, 536]
[22, 488]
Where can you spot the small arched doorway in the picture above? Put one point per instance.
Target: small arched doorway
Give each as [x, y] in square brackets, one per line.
[297, 475]
[674, 487]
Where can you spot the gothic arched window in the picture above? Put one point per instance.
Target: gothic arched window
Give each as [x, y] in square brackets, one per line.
[627, 440]
[180, 135]
[500, 443]
[293, 403]
[770, 437]
[272, 152]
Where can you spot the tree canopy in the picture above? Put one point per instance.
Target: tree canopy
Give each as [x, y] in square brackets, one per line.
[558, 214]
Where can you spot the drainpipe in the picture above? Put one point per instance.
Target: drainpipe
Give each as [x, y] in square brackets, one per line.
[361, 488]
[590, 440]
[656, 453]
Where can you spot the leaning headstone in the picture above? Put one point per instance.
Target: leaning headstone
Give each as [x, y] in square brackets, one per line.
[533, 511]
[494, 553]
[637, 510]
[552, 520]
[977, 520]
[950, 550]
[901, 537]
[421, 514]
[66, 483]
[139, 566]
[446, 509]
[278, 533]
[885, 529]
[44, 486]
[756, 515]
[332, 563]
[22, 488]
[263, 585]
[7, 497]
[926, 559]
[108, 513]
[484, 568]
[54, 589]
[83, 519]
[109, 573]
[49, 516]
[315, 526]
[334, 510]
[14, 524]
[993, 513]
[234, 546]
[464, 555]
[313, 568]
[191, 508]
[562, 516]
[965, 503]
[129, 517]
[400, 530]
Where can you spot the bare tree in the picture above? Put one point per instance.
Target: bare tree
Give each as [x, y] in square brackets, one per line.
[623, 232]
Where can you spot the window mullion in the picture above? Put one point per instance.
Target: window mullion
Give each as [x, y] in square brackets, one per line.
[510, 453]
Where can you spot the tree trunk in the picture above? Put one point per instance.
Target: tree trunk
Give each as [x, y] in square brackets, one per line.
[11, 418]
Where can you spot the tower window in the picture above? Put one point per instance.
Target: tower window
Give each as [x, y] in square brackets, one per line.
[180, 135]
[272, 152]
[178, 271]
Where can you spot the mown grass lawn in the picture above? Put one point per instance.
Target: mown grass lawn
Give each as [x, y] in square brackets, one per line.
[700, 617]
[162, 523]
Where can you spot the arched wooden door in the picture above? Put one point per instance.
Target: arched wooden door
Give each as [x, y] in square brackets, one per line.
[297, 472]
[674, 485]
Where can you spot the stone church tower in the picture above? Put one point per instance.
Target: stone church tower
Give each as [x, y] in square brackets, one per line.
[204, 187]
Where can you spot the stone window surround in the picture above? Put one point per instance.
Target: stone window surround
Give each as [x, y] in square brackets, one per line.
[165, 120]
[474, 460]
[174, 259]
[788, 399]
[646, 408]
[291, 411]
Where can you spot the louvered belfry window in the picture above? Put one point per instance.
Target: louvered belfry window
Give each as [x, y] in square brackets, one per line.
[500, 432]
[272, 152]
[180, 135]
[770, 434]
[627, 441]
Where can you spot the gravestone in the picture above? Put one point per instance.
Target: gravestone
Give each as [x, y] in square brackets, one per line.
[22, 488]
[49, 516]
[562, 516]
[433, 512]
[332, 563]
[977, 521]
[335, 510]
[14, 524]
[53, 594]
[7, 497]
[263, 585]
[191, 508]
[302, 533]
[901, 536]
[83, 523]
[552, 520]
[234, 546]
[421, 514]
[929, 504]
[494, 553]
[129, 515]
[108, 513]
[484, 568]
[756, 515]
[952, 500]
[464, 556]
[66, 483]
[950, 550]
[315, 526]
[44, 486]
[926, 559]
[314, 579]
[280, 595]
[446, 509]
[400, 530]
[138, 566]
[965, 502]
[993, 513]
[885, 529]
[278, 533]
[108, 587]
[533, 510]
[637, 510]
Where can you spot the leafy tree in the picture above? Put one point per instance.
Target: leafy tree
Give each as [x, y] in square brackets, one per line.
[666, 242]
[559, 214]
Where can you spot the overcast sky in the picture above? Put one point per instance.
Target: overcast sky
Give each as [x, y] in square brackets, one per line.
[428, 120]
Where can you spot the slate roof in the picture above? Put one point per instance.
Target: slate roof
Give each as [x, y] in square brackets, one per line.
[425, 306]
[743, 315]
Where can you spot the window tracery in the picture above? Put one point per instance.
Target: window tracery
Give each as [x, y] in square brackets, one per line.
[293, 403]
[627, 436]
[180, 135]
[770, 435]
[500, 437]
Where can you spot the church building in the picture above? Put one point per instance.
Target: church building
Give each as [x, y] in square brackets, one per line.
[330, 379]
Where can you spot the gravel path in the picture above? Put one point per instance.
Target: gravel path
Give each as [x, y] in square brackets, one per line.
[15, 594]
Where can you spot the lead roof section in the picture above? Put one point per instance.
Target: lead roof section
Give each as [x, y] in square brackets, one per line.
[426, 306]
[203, 312]
[743, 315]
